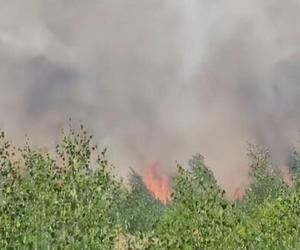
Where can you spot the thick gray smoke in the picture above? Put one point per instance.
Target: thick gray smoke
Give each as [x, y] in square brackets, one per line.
[155, 80]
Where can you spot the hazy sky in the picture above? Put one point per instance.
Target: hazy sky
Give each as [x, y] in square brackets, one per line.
[155, 80]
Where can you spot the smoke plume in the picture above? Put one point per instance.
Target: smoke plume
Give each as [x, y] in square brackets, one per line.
[155, 80]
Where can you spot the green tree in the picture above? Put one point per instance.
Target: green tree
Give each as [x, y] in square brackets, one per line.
[57, 203]
[199, 217]
[294, 163]
[139, 211]
[265, 181]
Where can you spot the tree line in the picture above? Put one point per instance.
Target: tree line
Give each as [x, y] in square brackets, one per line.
[71, 199]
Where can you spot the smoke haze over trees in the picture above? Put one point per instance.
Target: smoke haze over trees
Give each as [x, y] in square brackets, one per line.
[155, 80]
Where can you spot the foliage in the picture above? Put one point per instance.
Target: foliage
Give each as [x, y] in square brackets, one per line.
[265, 181]
[139, 211]
[274, 225]
[199, 215]
[294, 163]
[51, 205]
[71, 200]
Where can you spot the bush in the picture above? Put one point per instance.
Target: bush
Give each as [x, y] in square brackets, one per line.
[49, 205]
[139, 210]
[70, 199]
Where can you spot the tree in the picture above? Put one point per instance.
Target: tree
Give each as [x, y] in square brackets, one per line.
[265, 181]
[139, 211]
[57, 203]
[199, 217]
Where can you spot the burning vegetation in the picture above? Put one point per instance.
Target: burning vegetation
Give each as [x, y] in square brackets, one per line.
[157, 182]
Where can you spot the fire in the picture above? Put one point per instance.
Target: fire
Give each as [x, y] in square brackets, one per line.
[287, 178]
[157, 183]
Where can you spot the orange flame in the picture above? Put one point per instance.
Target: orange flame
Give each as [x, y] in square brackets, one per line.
[157, 183]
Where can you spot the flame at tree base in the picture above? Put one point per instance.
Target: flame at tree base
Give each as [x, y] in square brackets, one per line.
[157, 183]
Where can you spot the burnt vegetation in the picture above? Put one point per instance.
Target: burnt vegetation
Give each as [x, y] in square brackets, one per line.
[71, 199]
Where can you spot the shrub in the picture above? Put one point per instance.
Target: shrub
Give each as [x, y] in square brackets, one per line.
[49, 205]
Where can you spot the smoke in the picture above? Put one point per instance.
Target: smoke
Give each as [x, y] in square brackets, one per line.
[155, 80]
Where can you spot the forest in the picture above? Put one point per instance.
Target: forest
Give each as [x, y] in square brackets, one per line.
[71, 198]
